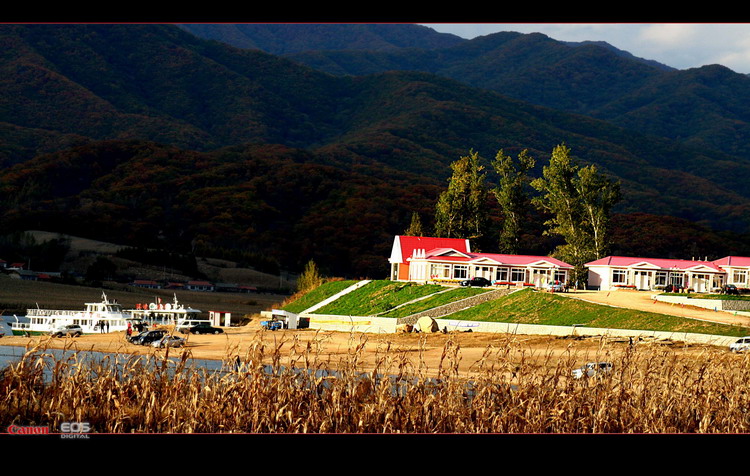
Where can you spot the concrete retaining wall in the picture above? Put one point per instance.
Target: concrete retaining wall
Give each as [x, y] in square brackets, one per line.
[713, 304]
[535, 329]
[382, 325]
[378, 325]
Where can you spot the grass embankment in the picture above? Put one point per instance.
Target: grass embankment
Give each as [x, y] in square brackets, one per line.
[531, 307]
[523, 307]
[436, 300]
[377, 297]
[298, 304]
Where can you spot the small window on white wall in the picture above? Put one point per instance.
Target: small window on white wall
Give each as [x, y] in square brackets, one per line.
[619, 276]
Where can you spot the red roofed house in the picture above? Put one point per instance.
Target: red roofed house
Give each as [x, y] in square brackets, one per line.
[445, 259]
[737, 268]
[405, 246]
[616, 272]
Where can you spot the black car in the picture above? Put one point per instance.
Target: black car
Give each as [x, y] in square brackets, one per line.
[477, 281]
[202, 329]
[730, 289]
[147, 337]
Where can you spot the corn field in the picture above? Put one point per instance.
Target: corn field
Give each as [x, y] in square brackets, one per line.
[650, 390]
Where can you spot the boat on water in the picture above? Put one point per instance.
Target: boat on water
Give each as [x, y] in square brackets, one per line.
[108, 316]
[103, 316]
[175, 314]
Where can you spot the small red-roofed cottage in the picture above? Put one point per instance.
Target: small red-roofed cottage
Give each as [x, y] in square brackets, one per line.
[404, 248]
[442, 260]
[618, 272]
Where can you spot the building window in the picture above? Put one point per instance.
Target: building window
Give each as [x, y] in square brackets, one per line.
[561, 276]
[439, 271]
[502, 274]
[483, 271]
[518, 275]
[619, 276]
[739, 276]
[676, 279]
[459, 271]
[661, 278]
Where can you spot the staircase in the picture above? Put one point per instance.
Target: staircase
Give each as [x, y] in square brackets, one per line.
[329, 300]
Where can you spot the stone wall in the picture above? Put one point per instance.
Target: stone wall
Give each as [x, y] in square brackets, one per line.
[735, 305]
[456, 306]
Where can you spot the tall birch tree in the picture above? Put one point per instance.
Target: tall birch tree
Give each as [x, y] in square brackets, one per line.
[512, 197]
[459, 211]
[579, 201]
[597, 195]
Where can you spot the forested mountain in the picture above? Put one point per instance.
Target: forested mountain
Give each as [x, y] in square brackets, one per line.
[705, 107]
[283, 38]
[146, 134]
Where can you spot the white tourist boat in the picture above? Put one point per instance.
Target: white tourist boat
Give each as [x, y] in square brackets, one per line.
[106, 315]
[167, 314]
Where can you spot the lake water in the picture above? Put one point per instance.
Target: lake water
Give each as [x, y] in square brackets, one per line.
[10, 354]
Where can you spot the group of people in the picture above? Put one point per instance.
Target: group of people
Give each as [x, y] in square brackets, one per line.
[103, 326]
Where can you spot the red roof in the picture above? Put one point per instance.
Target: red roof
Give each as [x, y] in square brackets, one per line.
[510, 260]
[733, 261]
[404, 246]
[661, 263]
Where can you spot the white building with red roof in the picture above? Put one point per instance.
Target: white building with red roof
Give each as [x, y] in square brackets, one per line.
[430, 259]
[617, 272]
[737, 269]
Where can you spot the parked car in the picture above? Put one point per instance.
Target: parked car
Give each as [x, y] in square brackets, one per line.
[740, 345]
[556, 287]
[202, 328]
[272, 324]
[169, 341]
[476, 281]
[147, 337]
[730, 289]
[592, 369]
[69, 330]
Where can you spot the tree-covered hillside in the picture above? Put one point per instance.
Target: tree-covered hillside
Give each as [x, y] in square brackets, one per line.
[149, 136]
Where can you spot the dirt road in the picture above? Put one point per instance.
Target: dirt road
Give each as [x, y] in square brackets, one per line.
[643, 301]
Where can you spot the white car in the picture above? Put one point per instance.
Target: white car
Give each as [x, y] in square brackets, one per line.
[556, 287]
[69, 330]
[740, 345]
[168, 341]
[591, 369]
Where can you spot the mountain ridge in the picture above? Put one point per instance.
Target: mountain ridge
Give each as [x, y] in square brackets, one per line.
[190, 143]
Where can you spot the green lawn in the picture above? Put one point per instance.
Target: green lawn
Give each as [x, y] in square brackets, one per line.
[436, 300]
[525, 307]
[318, 294]
[529, 307]
[376, 297]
